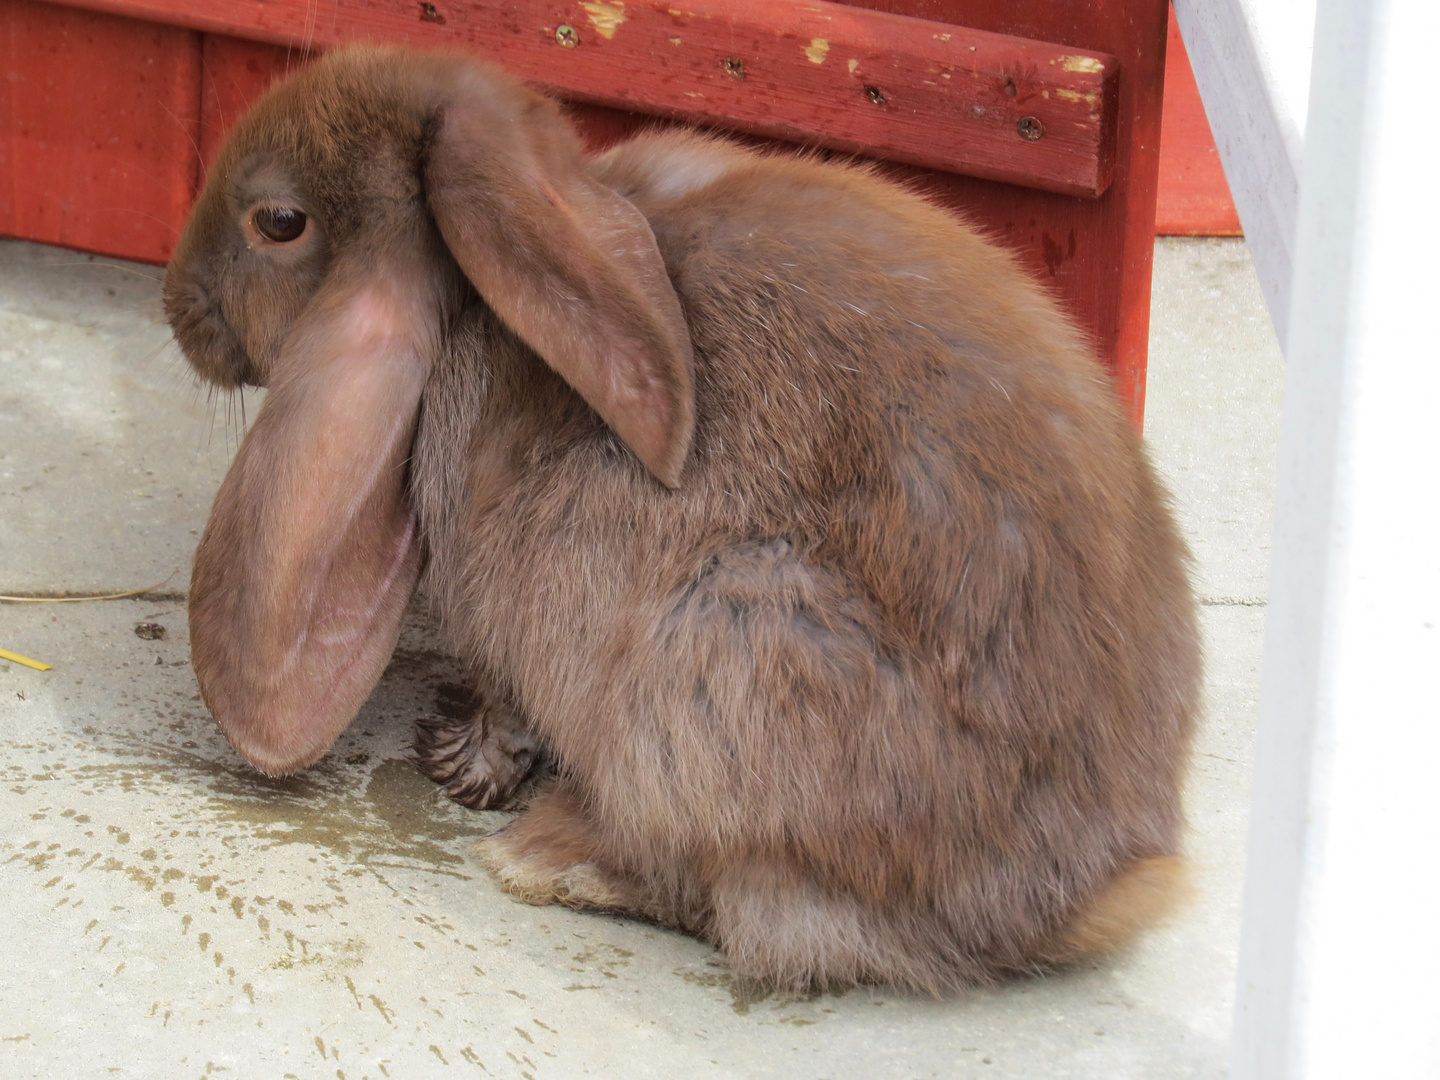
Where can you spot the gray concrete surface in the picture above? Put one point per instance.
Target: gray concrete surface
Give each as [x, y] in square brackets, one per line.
[172, 914]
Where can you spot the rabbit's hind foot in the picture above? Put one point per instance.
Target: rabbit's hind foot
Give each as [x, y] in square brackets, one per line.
[548, 856]
[543, 857]
[535, 878]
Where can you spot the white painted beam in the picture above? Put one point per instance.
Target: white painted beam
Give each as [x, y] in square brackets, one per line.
[1252, 64]
[1340, 954]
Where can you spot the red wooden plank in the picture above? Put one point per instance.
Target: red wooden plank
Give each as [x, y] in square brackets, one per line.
[98, 117]
[998, 106]
[1194, 198]
[234, 73]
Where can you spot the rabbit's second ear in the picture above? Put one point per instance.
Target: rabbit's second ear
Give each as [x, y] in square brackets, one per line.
[570, 266]
[312, 550]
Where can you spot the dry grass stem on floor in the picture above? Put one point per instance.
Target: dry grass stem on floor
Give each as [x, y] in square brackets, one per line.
[86, 596]
[39, 665]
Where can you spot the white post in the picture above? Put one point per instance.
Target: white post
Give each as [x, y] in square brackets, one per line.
[1252, 63]
[1340, 951]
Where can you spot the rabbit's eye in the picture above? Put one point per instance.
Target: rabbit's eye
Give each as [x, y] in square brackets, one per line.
[279, 223]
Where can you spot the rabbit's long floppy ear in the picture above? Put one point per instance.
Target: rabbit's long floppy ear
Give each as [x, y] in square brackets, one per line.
[312, 551]
[567, 263]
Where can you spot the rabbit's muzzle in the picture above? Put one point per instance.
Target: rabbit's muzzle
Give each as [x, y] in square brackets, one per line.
[206, 336]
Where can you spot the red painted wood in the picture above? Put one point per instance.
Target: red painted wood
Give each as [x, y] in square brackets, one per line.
[1194, 199]
[903, 89]
[234, 73]
[98, 117]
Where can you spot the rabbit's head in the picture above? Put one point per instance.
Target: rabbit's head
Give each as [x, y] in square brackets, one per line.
[349, 216]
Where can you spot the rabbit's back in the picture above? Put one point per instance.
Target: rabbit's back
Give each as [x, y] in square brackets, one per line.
[881, 384]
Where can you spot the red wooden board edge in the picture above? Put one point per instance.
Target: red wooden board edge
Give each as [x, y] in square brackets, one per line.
[926, 93]
[1193, 198]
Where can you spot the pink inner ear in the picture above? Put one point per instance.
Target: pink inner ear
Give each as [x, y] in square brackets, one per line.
[312, 549]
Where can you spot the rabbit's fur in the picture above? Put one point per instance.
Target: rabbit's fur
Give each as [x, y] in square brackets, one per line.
[786, 516]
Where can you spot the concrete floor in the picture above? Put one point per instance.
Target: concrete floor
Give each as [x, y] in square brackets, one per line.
[173, 914]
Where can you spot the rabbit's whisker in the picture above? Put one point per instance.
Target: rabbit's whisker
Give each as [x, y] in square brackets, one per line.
[112, 266]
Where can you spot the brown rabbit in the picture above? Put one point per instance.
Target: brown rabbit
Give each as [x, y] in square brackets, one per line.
[774, 505]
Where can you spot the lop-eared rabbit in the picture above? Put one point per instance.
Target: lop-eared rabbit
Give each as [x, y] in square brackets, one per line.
[771, 507]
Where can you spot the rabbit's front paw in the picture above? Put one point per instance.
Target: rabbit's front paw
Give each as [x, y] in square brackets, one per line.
[482, 760]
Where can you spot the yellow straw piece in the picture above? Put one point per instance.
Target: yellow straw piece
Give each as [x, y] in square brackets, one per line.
[6, 654]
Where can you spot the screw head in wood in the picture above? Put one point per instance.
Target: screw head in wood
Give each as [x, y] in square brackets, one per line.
[734, 67]
[566, 36]
[875, 95]
[1030, 128]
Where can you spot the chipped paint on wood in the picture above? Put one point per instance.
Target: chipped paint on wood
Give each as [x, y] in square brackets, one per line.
[851, 65]
[817, 50]
[1083, 65]
[1074, 95]
[606, 18]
